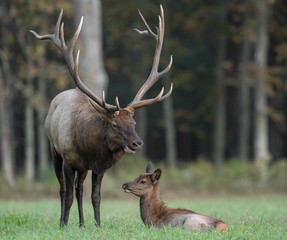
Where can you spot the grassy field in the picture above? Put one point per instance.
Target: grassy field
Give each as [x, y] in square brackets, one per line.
[247, 218]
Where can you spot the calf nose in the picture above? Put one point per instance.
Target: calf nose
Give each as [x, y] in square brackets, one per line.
[124, 186]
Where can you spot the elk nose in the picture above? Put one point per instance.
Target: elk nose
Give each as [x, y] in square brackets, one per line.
[137, 144]
[124, 186]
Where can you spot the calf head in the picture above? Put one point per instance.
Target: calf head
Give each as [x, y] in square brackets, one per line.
[143, 185]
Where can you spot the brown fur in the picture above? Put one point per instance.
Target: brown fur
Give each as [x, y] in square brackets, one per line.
[155, 213]
[84, 139]
[85, 132]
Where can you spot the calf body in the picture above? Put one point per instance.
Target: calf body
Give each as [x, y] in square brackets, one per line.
[155, 213]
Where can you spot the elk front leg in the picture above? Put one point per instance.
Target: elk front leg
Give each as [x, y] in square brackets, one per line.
[69, 178]
[96, 196]
[81, 176]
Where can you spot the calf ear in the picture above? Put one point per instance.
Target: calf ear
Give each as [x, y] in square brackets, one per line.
[156, 175]
[149, 168]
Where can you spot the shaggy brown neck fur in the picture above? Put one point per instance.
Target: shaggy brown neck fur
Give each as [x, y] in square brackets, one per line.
[152, 208]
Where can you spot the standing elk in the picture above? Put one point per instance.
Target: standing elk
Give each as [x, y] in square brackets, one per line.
[155, 213]
[85, 132]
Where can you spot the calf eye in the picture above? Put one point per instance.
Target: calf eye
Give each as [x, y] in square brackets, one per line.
[143, 182]
[114, 125]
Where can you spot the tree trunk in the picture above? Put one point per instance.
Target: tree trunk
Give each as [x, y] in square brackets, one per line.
[91, 67]
[170, 134]
[220, 114]
[6, 108]
[262, 156]
[244, 123]
[6, 149]
[29, 129]
[41, 115]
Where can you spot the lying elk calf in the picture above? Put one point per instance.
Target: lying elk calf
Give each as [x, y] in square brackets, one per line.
[85, 132]
[155, 213]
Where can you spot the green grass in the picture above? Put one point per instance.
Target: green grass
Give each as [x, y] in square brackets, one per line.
[247, 218]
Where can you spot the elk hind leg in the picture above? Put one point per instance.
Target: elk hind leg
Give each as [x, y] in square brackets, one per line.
[81, 176]
[69, 178]
[58, 167]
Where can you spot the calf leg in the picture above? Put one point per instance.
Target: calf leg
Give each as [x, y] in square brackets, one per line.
[96, 196]
[69, 178]
[81, 176]
[58, 166]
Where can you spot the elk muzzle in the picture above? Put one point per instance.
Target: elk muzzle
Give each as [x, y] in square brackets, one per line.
[134, 146]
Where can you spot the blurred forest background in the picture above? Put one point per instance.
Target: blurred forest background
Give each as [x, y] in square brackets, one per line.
[222, 129]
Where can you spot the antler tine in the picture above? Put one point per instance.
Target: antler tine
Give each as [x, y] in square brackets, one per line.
[71, 46]
[81, 85]
[166, 70]
[104, 100]
[154, 74]
[78, 82]
[58, 24]
[55, 36]
[62, 36]
[118, 104]
[160, 97]
[168, 93]
[68, 52]
[148, 32]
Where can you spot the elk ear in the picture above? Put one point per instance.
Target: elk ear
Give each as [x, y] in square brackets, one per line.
[156, 175]
[149, 168]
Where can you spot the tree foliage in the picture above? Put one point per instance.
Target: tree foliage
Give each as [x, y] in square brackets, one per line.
[192, 30]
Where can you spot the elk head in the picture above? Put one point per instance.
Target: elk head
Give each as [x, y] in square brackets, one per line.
[144, 184]
[119, 121]
[120, 131]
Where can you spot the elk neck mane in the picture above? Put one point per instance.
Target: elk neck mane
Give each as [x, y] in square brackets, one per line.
[89, 134]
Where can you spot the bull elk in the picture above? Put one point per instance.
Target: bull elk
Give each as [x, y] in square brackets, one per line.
[155, 213]
[85, 132]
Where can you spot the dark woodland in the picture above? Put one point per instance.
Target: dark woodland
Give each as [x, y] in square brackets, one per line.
[229, 78]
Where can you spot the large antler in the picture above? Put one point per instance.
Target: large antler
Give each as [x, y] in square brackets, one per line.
[154, 74]
[67, 52]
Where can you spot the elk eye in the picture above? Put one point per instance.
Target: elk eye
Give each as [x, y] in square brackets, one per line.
[143, 182]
